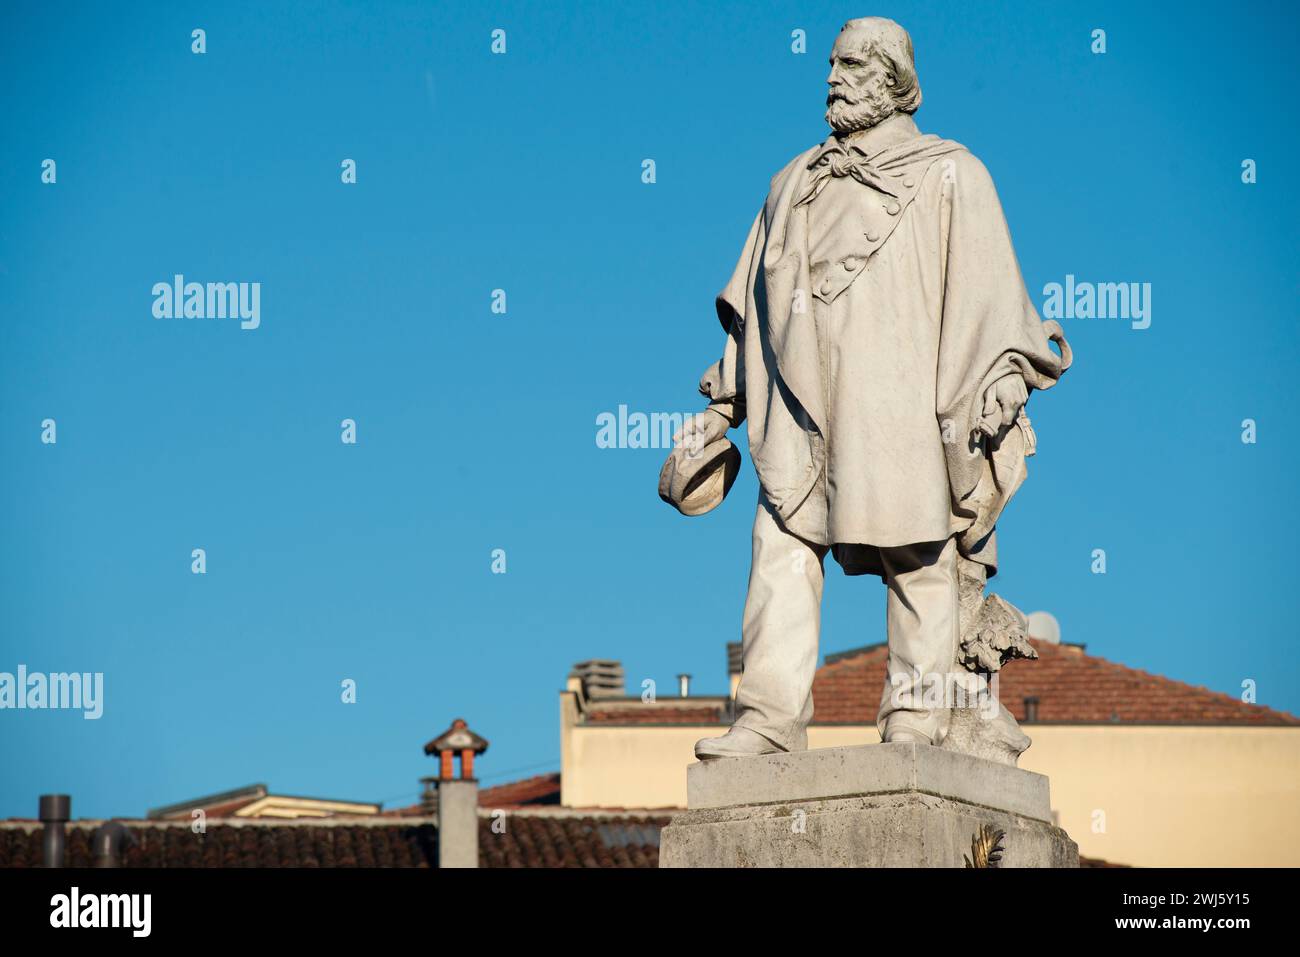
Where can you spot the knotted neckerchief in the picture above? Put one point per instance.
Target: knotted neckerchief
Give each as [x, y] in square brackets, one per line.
[835, 161]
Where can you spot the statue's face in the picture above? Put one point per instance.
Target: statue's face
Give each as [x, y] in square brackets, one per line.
[859, 95]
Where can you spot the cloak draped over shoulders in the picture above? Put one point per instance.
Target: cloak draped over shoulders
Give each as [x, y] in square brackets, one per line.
[863, 327]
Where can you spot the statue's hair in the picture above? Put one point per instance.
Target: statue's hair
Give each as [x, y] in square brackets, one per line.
[891, 44]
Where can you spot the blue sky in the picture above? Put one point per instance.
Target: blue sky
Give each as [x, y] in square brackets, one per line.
[476, 431]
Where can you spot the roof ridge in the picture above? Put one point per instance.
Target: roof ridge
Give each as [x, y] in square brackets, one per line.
[1091, 682]
[1225, 698]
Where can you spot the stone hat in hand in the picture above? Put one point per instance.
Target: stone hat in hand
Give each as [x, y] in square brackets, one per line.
[695, 480]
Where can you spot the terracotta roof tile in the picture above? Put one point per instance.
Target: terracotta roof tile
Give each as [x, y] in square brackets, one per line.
[544, 841]
[526, 841]
[537, 791]
[652, 714]
[1072, 688]
[541, 789]
[271, 845]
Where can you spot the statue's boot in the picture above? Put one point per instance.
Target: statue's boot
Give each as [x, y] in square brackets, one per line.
[736, 743]
[906, 736]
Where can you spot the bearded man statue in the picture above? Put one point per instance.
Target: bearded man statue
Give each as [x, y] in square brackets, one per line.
[881, 346]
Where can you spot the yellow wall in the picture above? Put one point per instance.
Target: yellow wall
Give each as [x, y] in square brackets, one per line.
[1167, 796]
[1175, 796]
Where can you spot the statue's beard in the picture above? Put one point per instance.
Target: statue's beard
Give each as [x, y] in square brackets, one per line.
[862, 112]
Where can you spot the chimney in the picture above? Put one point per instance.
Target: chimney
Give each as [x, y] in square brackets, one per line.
[600, 678]
[1031, 709]
[55, 811]
[456, 798]
[684, 685]
[734, 667]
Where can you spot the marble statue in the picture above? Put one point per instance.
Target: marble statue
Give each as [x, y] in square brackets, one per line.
[880, 347]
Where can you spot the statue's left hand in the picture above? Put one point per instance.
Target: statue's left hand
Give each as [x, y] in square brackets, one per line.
[700, 430]
[1003, 401]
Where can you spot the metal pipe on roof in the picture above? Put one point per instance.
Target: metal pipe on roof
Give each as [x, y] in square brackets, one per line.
[1031, 709]
[55, 812]
[108, 841]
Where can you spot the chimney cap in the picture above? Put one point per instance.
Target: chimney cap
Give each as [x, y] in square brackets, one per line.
[55, 808]
[457, 738]
[600, 677]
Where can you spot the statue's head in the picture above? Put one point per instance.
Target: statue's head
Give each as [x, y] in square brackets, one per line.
[872, 75]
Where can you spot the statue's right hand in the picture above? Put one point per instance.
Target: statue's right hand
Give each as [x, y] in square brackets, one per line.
[700, 430]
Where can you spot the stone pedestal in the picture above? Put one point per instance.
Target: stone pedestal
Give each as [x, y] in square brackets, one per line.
[880, 805]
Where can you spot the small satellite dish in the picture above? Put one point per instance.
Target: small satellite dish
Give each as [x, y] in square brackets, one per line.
[1044, 627]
